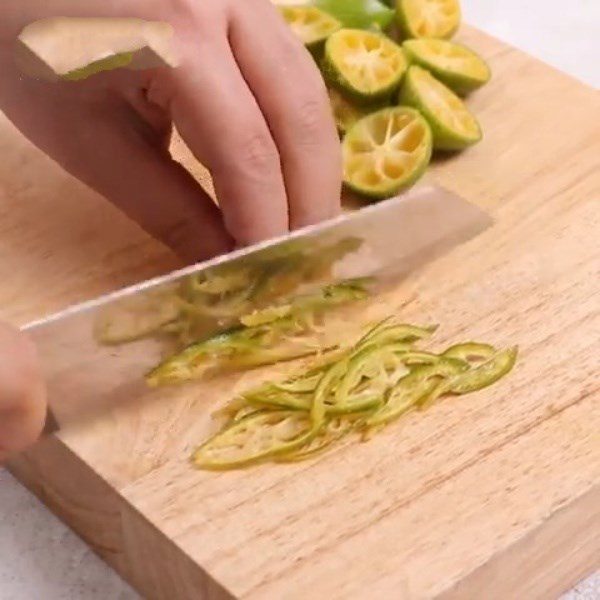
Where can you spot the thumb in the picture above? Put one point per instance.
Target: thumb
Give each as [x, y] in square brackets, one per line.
[22, 393]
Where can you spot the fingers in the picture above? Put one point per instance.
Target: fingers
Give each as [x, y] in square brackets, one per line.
[22, 393]
[219, 119]
[135, 172]
[292, 96]
[116, 142]
[248, 102]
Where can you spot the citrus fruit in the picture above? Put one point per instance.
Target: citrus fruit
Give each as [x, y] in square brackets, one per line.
[428, 18]
[366, 66]
[458, 67]
[452, 125]
[386, 152]
[310, 24]
[345, 112]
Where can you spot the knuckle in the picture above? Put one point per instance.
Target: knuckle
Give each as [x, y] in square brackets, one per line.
[311, 119]
[258, 153]
[179, 8]
[290, 50]
[193, 16]
[185, 7]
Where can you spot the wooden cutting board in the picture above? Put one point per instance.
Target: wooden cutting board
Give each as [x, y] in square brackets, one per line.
[494, 495]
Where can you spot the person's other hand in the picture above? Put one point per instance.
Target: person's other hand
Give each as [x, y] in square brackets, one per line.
[22, 393]
[247, 99]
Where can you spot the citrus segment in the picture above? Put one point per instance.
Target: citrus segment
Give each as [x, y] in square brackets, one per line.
[386, 152]
[452, 125]
[458, 67]
[310, 24]
[363, 64]
[345, 112]
[428, 18]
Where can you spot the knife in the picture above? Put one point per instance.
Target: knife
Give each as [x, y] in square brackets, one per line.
[95, 355]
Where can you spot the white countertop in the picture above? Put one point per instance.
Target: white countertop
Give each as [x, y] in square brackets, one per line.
[40, 559]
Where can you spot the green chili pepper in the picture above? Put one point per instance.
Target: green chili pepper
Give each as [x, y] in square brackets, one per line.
[333, 430]
[266, 336]
[399, 334]
[304, 401]
[221, 282]
[357, 367]
[299, 385]
[281, 400]
[475, 378]
[357, 403]
[136, 318]
[253, 438]
[470, 351]
[193, 362]
[410, 390]
[327, 383]
[487, 373]
[419, 358]
[365, 386]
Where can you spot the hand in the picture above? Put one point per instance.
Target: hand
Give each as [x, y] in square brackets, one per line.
[22, 394]
[247, 99]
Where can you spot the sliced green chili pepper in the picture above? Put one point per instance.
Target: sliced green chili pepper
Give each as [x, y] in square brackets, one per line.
[358, 366]
[356, 403]
[221, 283]
[365, 386]
[333, 430]
[244, 412]
[206, 302]
[414, 357]
[267, 336]
[230, 409]
[266, 315]
[400, 333]
[476, 378]
[411, 389]
[327, 383]
[487, 373]
[197, 302]
[136, 318]
[281, 400]
[254, 438]
[299, 385]
[196, 359]
[235, 349]
[470, 351]
[329, 296]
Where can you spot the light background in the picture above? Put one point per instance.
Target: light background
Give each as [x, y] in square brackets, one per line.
[40, 559]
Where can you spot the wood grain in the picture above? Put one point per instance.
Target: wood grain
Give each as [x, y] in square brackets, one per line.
[495, 495]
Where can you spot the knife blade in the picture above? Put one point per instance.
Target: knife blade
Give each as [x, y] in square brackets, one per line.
[95, 355]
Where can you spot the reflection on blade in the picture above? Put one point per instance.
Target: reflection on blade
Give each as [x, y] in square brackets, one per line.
[286, 329]
[215, 299]
[260, 305]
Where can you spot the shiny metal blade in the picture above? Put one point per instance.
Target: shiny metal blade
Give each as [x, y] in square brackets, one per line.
[95, 355]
